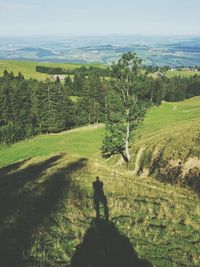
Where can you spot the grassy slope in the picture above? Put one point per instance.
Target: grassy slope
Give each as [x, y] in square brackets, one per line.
[46, 201]
[27, 68]
[167, 143]
[168, 115]
[83, 142]
[46, 204]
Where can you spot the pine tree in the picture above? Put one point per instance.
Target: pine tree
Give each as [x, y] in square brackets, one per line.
[57, 116]
[78, 84]
[92, 104]
[42, 105]
[6, 102]
[22, 106]
[68, 85]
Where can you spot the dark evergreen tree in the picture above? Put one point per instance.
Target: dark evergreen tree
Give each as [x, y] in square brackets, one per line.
[6, 102]
[78, 84]
[56, 107]
[68, 85]
[42, 105]
[21, 107]
[92, 105]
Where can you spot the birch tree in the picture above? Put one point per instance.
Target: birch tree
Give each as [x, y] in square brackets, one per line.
[127, 103]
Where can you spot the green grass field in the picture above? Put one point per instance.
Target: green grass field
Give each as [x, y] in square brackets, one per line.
[83, 142]
[27, 68]
[182, 73]
[46, 203]
[169, 115]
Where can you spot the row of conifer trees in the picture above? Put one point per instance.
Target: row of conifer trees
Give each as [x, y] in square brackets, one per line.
[29, 107]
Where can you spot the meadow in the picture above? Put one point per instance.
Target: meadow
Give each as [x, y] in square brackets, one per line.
[83, 142]
[182, 73]
[28, 68]
[169, 115]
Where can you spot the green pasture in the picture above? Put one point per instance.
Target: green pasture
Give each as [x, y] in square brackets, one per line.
[169, 115]
[28, 68]
[84, 142]
[182, 73]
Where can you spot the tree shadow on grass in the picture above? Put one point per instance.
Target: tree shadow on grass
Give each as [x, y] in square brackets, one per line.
[12, 182]
[104, 246]
[22, 211]
[12, 167]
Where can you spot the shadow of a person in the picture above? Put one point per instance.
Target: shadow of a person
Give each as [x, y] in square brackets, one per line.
[104, 246]
[100, 198]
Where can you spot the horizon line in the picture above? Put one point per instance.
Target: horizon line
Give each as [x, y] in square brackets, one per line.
[101, 35]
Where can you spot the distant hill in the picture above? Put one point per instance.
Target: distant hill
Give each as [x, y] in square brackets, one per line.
[40, 52]
[154, 50]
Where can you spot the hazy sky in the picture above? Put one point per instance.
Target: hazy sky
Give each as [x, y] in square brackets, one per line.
[99, 17]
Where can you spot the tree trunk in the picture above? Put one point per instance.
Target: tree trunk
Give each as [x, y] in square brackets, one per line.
[151, 97]
[127, 155]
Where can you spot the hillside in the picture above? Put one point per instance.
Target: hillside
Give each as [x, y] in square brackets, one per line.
[46, 198]
[46, 208]
[84, 142]
[167, 143]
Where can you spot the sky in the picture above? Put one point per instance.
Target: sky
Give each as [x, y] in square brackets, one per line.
[99, 17]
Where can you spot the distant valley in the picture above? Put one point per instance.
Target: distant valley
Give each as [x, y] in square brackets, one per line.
[173, 51]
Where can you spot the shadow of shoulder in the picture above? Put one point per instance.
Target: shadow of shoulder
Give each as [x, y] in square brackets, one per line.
[104, 246]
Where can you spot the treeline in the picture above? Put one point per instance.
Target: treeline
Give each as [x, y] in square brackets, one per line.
[163, 69]
[190, 68]
[85, 71]
[176, 88]
[152, 69]
[50, 70]
[179, 88]
[31, 107]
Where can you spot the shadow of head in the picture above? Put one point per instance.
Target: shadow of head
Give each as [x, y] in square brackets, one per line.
[104, 246]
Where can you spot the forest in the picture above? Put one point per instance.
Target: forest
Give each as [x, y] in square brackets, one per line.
[29, 107]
